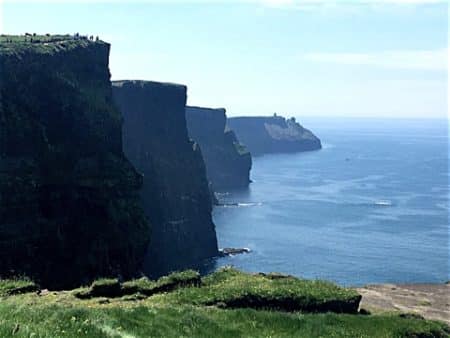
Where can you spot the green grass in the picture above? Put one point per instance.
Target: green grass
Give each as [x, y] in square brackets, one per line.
[178, 279]
[104, 287]
[150, 321]
[183, 312]
[142, 285]
[16, 286]
[168, 283]
[234, 289]
[111, 288]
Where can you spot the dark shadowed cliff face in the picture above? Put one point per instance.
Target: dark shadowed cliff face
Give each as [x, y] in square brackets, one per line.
[274, 134]
[228, 163]
[175, 193]
[69, 203]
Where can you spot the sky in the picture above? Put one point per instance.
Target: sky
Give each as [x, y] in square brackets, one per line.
[386, 58]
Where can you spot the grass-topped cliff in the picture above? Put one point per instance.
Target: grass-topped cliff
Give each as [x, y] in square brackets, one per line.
[274, 134]
[227, 303]
[69, 207]
[44, 44]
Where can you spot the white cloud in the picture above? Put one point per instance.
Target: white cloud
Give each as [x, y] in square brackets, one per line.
[419, 59]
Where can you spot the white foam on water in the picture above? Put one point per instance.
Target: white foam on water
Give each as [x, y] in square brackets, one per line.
[383, 203]
[252, 204]
[443, 205]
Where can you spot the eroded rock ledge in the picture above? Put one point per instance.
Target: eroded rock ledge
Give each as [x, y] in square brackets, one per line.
[432, 301]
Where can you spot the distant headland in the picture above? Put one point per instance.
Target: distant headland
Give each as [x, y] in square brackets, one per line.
[274, 134]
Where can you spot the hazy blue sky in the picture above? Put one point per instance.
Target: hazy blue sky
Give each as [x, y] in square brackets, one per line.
[352, 58]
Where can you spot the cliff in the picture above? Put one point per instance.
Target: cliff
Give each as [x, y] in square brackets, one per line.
[69, 203]
[175, 193]
[228, 163]
[274, 134]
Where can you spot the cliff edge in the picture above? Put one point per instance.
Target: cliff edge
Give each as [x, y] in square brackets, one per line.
[175, 194]
[69, 204]
[227, 161]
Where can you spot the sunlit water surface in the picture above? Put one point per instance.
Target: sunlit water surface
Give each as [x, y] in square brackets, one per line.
[372, 206]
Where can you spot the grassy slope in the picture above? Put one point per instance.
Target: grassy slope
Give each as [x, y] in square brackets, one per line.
[148, 320]
[181, 313]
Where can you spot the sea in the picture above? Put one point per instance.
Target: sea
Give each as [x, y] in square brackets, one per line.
[371, 207]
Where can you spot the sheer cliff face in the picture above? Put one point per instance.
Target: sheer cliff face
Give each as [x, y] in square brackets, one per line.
[175, 194]
[274, 134]
[69, 199]
[228, 163]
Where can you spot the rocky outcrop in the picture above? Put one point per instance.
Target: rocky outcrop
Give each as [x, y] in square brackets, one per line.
[69, 203]
[233, 251]
[274, 134]
[175, 194]
[428, 300]
[228, 162]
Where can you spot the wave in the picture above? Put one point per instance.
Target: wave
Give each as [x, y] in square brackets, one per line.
[443, 205]
[236, 204]
[249, 204]
[383, 203]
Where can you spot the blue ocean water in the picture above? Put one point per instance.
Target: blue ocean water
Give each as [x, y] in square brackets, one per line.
[371, 207]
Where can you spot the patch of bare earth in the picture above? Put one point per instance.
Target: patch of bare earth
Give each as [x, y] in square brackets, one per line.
[432, 301]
